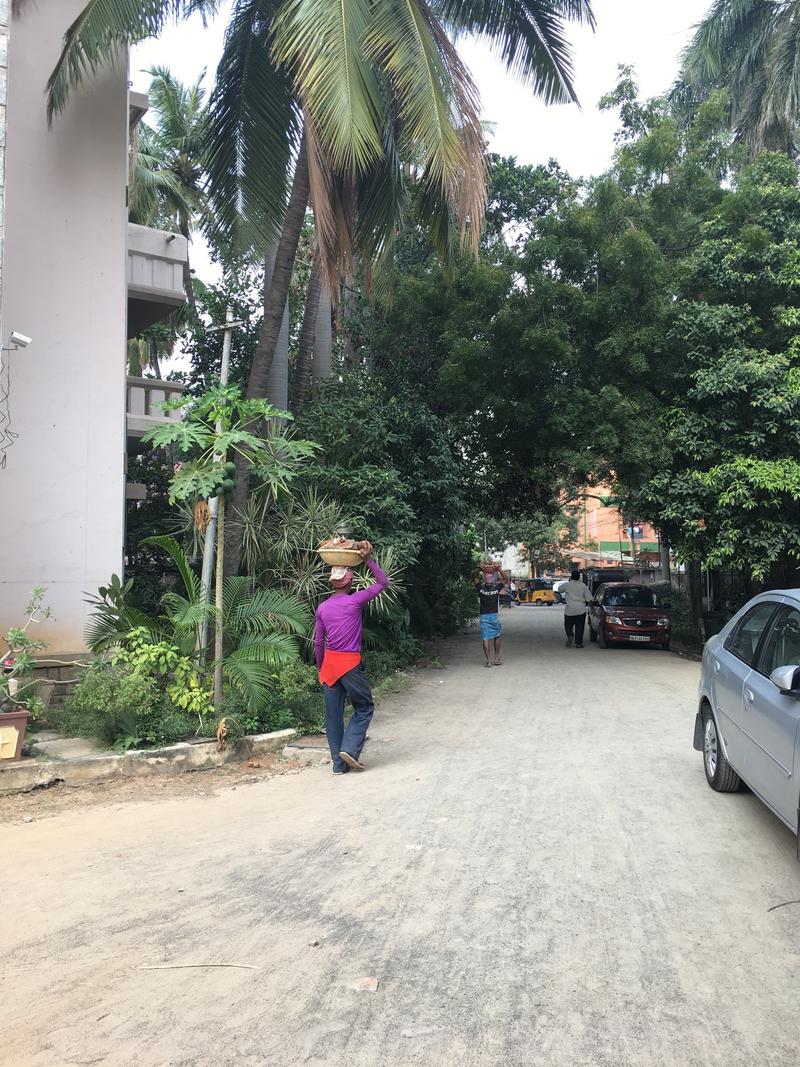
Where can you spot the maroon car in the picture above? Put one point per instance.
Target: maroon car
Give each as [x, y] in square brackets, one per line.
[623, 612]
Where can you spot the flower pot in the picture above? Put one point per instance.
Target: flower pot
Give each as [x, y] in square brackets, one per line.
[12, 733]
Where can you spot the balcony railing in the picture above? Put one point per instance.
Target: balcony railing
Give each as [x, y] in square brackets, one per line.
[156, 261]
[145, 395]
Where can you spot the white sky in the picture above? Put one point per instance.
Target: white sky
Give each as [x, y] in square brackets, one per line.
[647, 33]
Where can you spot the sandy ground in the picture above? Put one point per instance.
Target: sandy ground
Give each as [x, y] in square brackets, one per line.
[533, 870]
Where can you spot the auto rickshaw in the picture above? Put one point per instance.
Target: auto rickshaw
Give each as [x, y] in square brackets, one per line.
[535, 591]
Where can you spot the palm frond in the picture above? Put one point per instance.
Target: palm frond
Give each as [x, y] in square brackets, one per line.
[437, 106]
[251, 668]
[102, 32]
[723, 40]
[236, 590]
[178, 109]
[169, 545]
[104, 629]
[322, 46]
[113, 615]
[152, 182]
[272, 649]
[252, 133]
[381, 197]
[528, 35]
[269, 609]
[779, 110]
[250, 678]
[333, 202]
[185, 615]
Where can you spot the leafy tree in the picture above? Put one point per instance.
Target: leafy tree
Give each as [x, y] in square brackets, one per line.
[241, 289]
[391, 464]
[544, 540]
[731, 494]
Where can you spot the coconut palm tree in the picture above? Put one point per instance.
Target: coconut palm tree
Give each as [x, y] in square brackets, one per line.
[752, 49]
[167, 175]
[346, 91]
[355, 94]
[330, 101]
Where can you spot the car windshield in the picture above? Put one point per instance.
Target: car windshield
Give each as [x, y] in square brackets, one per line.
[631, 596]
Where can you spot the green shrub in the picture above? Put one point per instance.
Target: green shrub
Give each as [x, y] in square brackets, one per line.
[121, 708]
[381, 664]
[678, 604]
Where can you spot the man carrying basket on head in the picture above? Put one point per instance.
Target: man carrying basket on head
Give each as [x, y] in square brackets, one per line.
[337, 646]
[488, 586]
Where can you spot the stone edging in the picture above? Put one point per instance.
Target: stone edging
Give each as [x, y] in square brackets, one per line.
[26, 775]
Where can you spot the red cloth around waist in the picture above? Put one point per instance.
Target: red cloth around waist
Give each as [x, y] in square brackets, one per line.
[336, 664]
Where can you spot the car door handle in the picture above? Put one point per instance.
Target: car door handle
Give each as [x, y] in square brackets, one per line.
[749, 696]
[716, 666]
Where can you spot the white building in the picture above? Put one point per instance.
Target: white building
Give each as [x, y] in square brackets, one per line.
[78, 279]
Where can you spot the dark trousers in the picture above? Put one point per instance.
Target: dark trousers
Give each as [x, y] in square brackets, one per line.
[354, 687]
[575, 623]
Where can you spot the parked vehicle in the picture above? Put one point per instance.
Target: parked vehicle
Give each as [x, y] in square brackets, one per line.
[622, 612]
[749, 703]
[558, 589]
[597, 576]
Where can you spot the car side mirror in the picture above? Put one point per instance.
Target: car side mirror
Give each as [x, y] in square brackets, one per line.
[787, 679]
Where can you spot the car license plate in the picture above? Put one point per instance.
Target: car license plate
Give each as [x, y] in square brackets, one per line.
[638, 637]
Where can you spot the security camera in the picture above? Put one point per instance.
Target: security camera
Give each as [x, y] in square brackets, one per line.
[20, 340]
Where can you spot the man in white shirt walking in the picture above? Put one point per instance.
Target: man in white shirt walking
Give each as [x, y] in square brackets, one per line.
[576, 598]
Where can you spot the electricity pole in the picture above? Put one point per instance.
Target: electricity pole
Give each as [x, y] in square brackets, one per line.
[209, 543]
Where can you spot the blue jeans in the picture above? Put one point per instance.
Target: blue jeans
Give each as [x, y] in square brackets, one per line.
[352, 686]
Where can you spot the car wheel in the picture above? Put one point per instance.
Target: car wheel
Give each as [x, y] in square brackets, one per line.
[719, 773]
[592, 635]
[601, 637]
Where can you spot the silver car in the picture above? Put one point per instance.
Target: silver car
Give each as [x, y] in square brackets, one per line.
[747, 722]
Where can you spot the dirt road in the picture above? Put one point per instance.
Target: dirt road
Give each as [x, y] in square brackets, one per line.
[532, 868]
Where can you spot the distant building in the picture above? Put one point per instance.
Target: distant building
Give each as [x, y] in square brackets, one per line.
[79, 280]
[515, 562]
[605, 535]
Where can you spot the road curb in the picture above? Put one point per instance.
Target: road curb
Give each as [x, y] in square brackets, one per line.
[307, 754]
[138, 763]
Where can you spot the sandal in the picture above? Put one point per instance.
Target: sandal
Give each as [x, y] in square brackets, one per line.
[488, 664]
[498, 663]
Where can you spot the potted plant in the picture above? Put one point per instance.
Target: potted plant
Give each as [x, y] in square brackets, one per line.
[19, 699]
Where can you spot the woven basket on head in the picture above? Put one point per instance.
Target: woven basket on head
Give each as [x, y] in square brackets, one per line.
[340, 557]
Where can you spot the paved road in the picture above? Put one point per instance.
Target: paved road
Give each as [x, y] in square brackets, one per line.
[533, 868]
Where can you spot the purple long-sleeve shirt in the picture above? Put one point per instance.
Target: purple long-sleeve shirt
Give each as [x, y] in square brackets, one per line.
[339, 617]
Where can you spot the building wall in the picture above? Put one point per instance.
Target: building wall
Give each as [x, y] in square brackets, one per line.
[62, 489]
[605, 529]
[5, 15]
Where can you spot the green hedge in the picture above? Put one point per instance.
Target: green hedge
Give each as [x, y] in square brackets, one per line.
[121, 709]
